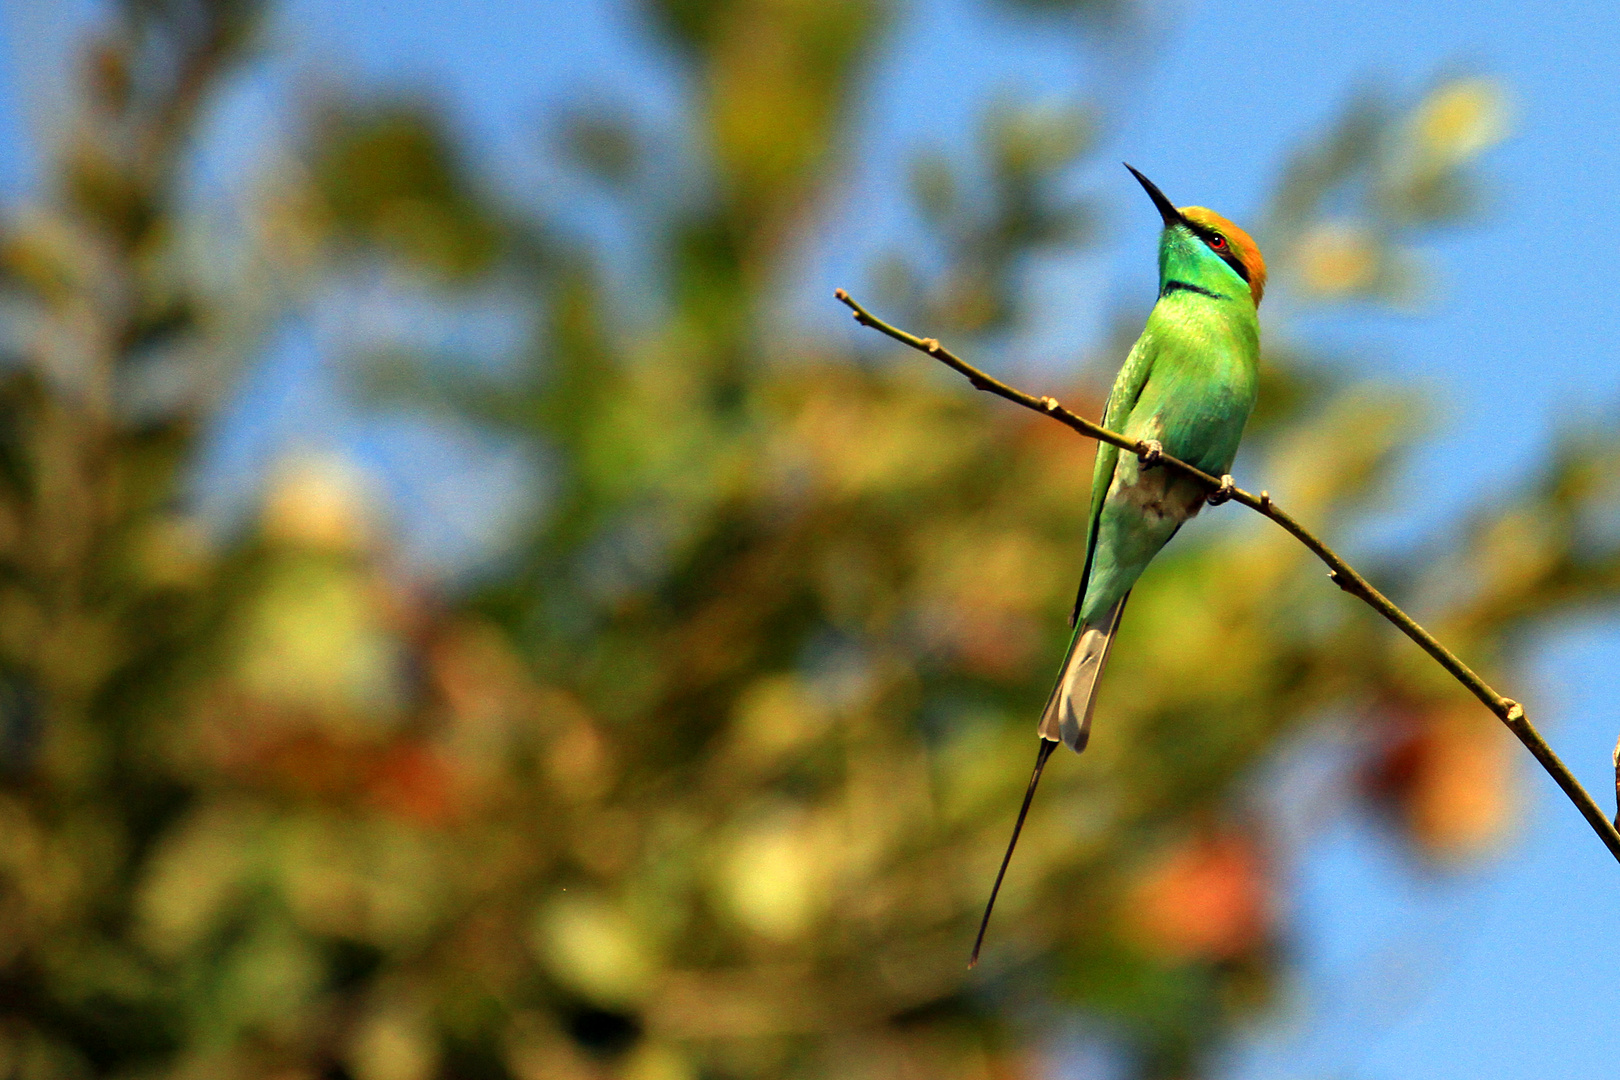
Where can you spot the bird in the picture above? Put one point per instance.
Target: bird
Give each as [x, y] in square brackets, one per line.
[1186, 389]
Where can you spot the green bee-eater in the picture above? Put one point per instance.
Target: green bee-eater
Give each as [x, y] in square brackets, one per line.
[1187, 386]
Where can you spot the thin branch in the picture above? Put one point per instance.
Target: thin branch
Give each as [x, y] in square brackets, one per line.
[1341, 573]
[1617, 785]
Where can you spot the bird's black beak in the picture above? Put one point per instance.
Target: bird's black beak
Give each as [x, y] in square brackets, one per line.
[1167, 209]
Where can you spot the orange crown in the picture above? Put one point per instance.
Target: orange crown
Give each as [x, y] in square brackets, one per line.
[1243, 246]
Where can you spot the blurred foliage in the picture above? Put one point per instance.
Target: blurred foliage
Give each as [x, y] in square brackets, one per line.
[1344, 204]
[709, 780]
[987, 230]
[389, 178]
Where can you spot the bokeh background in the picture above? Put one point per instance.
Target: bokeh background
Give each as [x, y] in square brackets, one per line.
[472, 606]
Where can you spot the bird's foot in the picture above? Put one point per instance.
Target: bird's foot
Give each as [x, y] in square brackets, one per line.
[1224, 492]
[1150, 453]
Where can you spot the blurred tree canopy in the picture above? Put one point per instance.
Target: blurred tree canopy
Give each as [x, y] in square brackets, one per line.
[709, 778]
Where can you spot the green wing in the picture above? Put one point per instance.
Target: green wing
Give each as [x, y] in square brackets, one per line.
[1122, 398]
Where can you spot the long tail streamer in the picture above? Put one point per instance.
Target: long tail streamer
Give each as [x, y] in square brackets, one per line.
[1047, 746]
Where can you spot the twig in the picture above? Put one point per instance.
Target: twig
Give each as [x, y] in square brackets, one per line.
[1341, 573]
[1617, 785]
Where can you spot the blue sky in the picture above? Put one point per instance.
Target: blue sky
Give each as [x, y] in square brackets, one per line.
[1509, 970]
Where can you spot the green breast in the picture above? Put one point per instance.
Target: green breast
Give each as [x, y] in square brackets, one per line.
[1204, 377]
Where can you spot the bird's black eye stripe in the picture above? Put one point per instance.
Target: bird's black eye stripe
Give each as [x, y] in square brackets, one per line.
[1229, 257]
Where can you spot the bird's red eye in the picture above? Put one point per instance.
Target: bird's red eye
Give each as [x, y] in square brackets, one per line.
[1217, 242]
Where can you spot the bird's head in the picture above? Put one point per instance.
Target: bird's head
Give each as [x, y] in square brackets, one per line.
[1205, 245]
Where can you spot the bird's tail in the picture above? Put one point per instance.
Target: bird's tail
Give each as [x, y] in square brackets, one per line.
[1068, 710]
[1067, 719]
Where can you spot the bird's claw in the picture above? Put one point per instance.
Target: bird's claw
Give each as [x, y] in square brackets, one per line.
[1152, 450]
[1224, 492]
